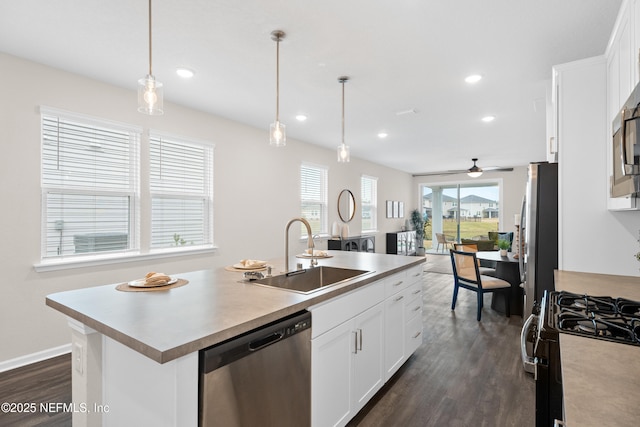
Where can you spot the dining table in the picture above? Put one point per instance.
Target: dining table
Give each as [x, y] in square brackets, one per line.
[507, 269]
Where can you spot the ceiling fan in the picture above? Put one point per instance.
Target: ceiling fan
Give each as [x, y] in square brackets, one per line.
[474, 171]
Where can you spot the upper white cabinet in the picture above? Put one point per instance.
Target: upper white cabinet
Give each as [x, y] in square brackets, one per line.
[622, 76]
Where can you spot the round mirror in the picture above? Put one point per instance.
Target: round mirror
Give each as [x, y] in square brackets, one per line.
[346, 205]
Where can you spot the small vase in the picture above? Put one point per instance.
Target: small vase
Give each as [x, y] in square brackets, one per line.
[345, 232]
[503, 252]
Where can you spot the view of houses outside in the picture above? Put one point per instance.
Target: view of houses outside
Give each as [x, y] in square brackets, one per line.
[472, 215]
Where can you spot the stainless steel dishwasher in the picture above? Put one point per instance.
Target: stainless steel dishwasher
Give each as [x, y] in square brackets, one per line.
[261, 378]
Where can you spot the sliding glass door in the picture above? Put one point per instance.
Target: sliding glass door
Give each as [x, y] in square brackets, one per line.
[460, 211]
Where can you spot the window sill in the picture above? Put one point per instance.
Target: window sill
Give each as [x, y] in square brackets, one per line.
[92, 261]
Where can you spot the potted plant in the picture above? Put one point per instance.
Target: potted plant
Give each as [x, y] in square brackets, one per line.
[503, 245]
[418, 225]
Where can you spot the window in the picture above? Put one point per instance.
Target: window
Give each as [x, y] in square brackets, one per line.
[369, 203]
[93, 204]
[181, 185]
[89, 186]
[313, 198]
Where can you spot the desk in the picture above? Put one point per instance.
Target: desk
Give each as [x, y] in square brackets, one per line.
[507, 268]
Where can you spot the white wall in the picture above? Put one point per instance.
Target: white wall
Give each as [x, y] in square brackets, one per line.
[256, 192]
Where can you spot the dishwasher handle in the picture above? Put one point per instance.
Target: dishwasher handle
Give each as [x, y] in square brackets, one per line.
[265, 341]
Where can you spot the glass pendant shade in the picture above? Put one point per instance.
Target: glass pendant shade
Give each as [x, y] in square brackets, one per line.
[277, 134]
[150, 97]
[343, 153]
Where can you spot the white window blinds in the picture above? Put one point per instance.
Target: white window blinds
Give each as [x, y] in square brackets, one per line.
[313, 196]
[89, 186]
[369, 203]
[181, 184]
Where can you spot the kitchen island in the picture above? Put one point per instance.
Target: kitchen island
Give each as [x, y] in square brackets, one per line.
[600, 379]
[137, 352]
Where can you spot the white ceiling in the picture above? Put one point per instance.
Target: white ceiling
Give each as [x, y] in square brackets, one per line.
[400, 55]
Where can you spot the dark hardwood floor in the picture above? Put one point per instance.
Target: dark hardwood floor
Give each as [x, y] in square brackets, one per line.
[466, 373]
[47, 383]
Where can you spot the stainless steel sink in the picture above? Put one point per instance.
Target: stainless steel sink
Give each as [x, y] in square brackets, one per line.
[311, 280]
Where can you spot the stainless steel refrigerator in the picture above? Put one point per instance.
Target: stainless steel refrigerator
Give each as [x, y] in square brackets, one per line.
[539, 233]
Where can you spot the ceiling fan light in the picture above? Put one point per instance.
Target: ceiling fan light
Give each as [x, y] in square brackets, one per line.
[474, 171]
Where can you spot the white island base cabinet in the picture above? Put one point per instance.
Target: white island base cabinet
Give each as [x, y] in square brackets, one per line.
[113, 385]
[358, 341]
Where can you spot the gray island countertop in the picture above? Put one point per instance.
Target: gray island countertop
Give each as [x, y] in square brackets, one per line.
[214, 306]
[601, 379]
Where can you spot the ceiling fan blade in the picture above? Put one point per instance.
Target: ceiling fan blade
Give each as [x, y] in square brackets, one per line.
[454, 172]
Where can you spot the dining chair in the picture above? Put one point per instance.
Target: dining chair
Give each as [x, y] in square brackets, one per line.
[442, 240]
[466, 274]
[471, 247]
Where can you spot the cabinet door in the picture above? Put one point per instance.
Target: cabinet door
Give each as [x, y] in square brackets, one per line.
[367, 371]
[331, 375]
[393, 333]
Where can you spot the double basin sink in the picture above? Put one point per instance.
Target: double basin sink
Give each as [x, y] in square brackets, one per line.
[312, 279]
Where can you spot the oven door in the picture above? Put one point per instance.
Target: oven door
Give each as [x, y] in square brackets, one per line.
[548, 375]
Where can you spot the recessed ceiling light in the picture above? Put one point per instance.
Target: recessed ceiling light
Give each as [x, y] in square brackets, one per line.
[185, 73]
[474, 78]
[382, 135]
[301, 117]
[488, 119]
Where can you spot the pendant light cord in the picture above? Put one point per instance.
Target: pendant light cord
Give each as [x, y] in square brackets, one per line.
[278, 79]
[150, 73]
[343, 111]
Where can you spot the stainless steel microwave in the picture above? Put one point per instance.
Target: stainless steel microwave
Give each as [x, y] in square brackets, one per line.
[625, 180]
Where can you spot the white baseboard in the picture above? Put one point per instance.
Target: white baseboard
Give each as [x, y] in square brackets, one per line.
[34, 357]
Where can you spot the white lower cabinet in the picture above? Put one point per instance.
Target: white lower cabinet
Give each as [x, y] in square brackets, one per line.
[346, 368]
[394, 338]
[359, 340]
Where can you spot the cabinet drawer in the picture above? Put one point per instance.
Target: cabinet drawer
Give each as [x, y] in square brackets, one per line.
[413, 335]
[414, 274]
[333, 312]
[395, 283]
[413, 301]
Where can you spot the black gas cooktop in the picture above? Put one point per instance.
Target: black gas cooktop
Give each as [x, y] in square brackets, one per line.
[599, 317]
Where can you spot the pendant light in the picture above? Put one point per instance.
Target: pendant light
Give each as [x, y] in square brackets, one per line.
[343, 149]
[277, 134]
[149, 89]
[474, 171]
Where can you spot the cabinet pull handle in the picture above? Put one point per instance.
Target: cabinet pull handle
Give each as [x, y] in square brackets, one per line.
[355, 343]
[360, 331]
[399, 298]
[417, 334]
[398, 284]
[417, 275]
[417, 291]
[416, 308]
